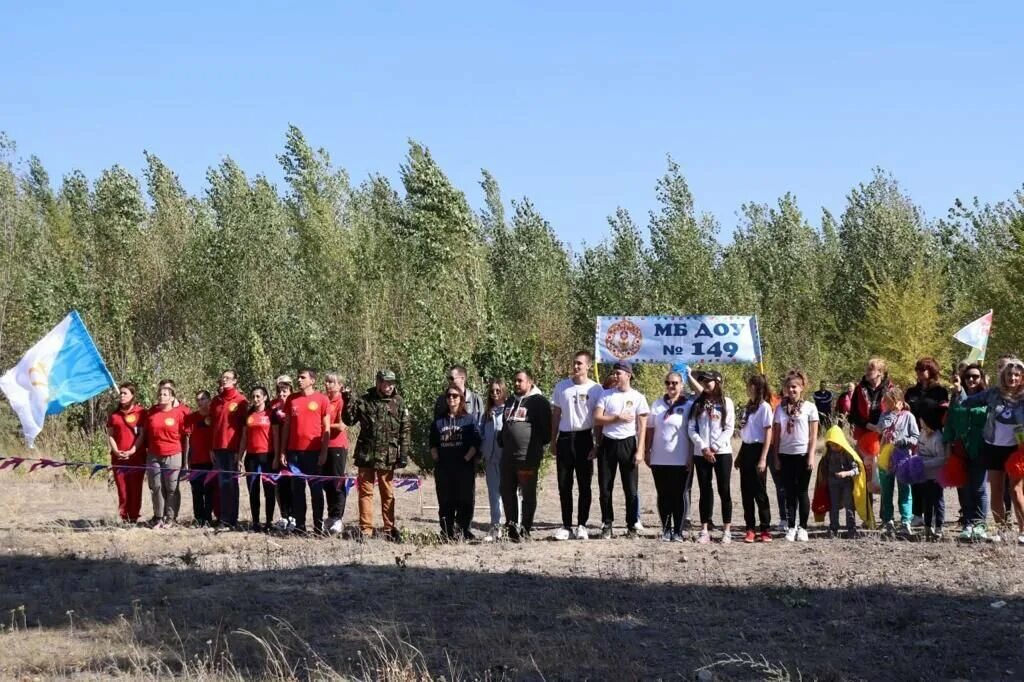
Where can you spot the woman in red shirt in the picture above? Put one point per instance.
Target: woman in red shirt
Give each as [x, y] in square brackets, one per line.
[127, 461]
[256, 452]
[200, 447]
[166, 437]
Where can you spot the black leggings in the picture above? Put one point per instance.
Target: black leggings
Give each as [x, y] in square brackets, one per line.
[264, 462]
[753, 487]
[670, 482]
[721, 470]
[796, 476]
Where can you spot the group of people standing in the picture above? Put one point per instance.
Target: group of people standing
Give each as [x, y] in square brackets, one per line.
[300, 431]
[687, 433]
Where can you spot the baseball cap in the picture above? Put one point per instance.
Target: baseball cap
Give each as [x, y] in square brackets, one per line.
[386, 375]
[623, 367]
[283, 379]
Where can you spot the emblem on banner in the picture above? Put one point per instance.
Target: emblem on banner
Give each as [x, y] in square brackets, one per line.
[623, 339]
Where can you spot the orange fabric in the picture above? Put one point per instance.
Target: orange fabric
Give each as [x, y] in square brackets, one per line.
[385, 480]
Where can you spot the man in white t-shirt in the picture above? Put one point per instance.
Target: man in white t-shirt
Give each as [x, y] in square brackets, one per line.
[621, 413]
[572, 442]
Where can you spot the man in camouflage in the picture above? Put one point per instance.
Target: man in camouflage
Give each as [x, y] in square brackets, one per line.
[383, 446]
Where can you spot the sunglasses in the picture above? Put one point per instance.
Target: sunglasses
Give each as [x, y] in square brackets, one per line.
[453, 396]
[671, 383]
[973, 377]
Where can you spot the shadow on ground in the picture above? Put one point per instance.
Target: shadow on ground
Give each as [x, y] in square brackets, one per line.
[515, 624]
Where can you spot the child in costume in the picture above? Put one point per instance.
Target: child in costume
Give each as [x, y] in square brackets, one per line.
[934, 452]
[899, 428]
[842, 476]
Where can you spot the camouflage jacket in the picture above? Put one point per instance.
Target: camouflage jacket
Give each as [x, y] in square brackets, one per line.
[385, 429]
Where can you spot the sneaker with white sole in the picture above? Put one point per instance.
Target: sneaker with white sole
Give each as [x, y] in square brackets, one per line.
[704, 538]
[334, 526]
[791, 535]
[562, 534]
[967, 534]
[290, 528]
[582, 533]
[726, 538]
[1020, 539]
[917, 521]
[801, 535]
[638, 526]
[783, 526]
[281, 524]
[666, 536]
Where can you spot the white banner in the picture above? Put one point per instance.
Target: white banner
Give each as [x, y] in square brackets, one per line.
[693, 339]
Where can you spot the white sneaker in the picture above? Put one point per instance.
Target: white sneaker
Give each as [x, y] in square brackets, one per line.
[493, 534]
[726, 538]
[791, 535]
[281, 524]
[917, 521]
[562, 534]
[291, 524]
[638, 526]
[582, 533]
[334, 526]
[801, 535]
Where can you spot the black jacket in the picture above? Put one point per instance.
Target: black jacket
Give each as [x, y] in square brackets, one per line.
[526, 430]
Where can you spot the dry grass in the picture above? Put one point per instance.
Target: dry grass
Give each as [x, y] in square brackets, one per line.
[81, 597]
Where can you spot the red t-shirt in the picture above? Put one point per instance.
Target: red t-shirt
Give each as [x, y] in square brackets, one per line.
[306, 420]
[257, 439]
[165, 431]
[339, 439]
[200, 438]
[124, 427]
[227, 413]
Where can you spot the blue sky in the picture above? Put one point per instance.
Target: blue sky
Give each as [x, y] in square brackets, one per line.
[572, 104]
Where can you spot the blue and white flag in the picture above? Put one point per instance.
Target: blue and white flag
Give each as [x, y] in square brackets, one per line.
[63, 368]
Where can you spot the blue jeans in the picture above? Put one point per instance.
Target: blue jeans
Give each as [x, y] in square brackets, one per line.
[975, 493]
[227, 462]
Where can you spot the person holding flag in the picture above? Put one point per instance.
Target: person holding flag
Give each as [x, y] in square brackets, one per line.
[976, 336]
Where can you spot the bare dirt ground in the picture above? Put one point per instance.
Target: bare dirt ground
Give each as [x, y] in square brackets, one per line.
[80, 597]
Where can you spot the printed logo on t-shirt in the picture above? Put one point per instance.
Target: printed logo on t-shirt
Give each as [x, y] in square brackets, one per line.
[232, 407]
[251, 420]
[130, 419]
[312, 406]
[582, 397]
[206, 420]
[169, 421]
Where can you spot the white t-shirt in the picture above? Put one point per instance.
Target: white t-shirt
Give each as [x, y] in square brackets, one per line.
[753, 429]
[795, 435]
[1004, 435]
[577, 403]
[616, 403]
[669, 445]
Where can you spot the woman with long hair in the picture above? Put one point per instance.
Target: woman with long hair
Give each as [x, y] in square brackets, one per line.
[711, 425]
[256, 454]
[490, 427]
[127, 459]
[928, 401]
[756, 435]
[454, 444]
[1004, 430]
[668, 454]
[794, 441]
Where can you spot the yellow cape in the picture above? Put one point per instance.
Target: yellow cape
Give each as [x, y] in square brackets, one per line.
[836, 436]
